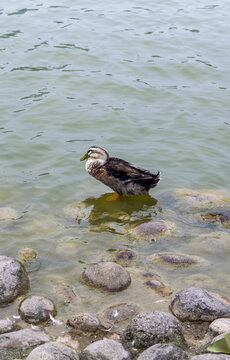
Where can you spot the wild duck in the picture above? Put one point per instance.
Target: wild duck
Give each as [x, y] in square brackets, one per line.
[120, 175]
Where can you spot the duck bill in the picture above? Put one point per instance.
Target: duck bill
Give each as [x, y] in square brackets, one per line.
[84, 157]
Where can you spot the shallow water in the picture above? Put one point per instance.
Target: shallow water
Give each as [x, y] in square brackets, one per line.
[150, 83]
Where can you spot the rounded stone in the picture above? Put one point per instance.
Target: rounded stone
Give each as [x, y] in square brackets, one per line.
[105, 349]
[53, 351]
[220, 326]
[84, 322]
[124, 257]
[151, 230]
[177, 260]
[13, 279]
[163, 352]
[197, 304]
[154, 327]
[35, 309]
[107, 276]
[118, 313]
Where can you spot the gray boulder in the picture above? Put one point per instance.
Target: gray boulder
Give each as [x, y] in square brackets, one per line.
[211, 357]
[35, 309]
[19, 343]
[163, 352]
[13, 279]
[107, 276]
[105, 350]
[53, 351]
[154, 327]
[197, 304]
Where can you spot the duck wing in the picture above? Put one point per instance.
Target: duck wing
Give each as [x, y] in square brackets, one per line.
[127, 172]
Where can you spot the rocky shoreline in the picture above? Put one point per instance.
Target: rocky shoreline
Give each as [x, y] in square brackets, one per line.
[195, 317]
[147, 336]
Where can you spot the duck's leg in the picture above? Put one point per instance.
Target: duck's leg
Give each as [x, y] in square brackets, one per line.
[113, 197]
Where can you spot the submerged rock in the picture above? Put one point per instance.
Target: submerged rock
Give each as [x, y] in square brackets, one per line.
[35, 309]
[118, 313]
[202, 198]
[163, 352]
[53, 351]
[177, 260]
[13, 279]
[107, 276]
[197, 304]
[18, 343]
[68, 293]
[77, 210]
[8, 214]
[151, 230]
[221, 217]
[220, 326]
[154, 327]
[212, 243]
[155, 283]
[27, 254]
[85, 322]
[105, 349]
[29, 258]
[125, 257]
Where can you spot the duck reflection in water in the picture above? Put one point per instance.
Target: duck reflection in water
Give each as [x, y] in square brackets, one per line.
[103, 214]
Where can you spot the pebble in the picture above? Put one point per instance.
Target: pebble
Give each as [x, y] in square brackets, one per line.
[13, 279]
[163, 352]
[107, 276]
[196, 304]
[105, 349]
[35, 309]
[153, 327]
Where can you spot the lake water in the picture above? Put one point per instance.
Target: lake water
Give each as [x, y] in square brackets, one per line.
[149, 81]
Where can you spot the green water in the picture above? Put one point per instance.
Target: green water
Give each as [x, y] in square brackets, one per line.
[149, 81]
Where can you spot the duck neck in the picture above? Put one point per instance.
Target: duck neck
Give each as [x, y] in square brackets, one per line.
[93, 164]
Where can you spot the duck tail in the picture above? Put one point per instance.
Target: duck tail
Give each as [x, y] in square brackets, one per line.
[155, 179]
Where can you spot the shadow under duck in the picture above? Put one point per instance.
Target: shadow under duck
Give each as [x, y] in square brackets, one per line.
[121, 176]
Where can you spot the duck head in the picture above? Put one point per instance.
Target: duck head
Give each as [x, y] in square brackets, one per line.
[96, 156]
